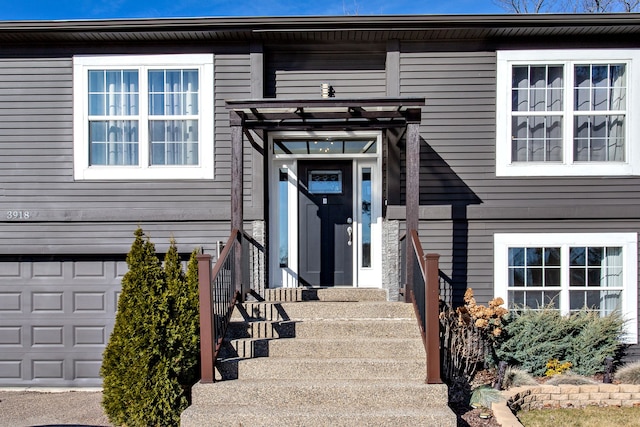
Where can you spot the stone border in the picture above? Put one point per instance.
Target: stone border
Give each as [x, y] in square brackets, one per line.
[562, 396]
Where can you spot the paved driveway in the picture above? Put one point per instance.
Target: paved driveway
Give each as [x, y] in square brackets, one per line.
[70, 408]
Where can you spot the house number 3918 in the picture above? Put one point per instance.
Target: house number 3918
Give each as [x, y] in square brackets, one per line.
[18, 214]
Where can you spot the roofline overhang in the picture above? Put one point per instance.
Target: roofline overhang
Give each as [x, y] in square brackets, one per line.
[309, 23]
[230, 28]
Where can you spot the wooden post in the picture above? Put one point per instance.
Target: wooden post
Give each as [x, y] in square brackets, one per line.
[236, 120]
[206, 319]
[412, 192]
[432, 313]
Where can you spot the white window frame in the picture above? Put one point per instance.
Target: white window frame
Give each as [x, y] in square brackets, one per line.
[84, 171]
[507, 59]
[627, 241]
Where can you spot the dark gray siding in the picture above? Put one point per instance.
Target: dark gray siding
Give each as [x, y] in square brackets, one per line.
[466, 248]
[300, 74]
[463, 203]
[36, 170]
[458, 164]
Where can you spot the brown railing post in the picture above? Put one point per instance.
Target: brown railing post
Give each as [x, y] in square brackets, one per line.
[432, 312]
[206, 319]
[412, 202]
[237, 267]
[236, 121]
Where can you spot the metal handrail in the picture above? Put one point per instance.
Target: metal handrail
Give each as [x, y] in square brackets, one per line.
[424, 294]
[221, 288]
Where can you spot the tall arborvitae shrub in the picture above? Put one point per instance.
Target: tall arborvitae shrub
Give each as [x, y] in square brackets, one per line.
[185, 318]
[140, 385]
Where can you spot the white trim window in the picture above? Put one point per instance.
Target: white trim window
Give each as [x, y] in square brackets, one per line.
[567, 112]
[143, 117]
[570, 272]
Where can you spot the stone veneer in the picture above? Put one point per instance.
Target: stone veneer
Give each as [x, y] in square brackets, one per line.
[391, 258]
[563, 396]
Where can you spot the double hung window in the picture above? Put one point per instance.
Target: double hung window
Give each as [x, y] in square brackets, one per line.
[566, 113]
[569, 272]
[148, 117]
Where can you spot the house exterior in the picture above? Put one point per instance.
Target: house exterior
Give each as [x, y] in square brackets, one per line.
[527, 151]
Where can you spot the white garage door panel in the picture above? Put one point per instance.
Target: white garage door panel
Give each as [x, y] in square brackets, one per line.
[55, 320]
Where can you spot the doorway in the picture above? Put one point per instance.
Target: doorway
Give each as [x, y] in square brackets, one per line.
[325, 216]
[325, 219]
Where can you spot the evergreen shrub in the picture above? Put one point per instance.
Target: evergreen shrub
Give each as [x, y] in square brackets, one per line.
[151, 348]
[533, 337]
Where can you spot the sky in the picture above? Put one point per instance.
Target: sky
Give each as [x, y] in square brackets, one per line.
[101, 9]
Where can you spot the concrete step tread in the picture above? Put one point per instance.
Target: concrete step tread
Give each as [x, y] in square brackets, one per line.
[365, 393]
[328, 310]
[357, 347]
[336, 360]
[329, 321]
[327, 303]
[328, 368]
[323, 383]
[329, 329]
[318, 409]
[310, 416]
[369, 342]
[340, 293]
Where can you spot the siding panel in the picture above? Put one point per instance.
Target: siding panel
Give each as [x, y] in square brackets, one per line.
[36, 154]
[458, 149]
[466, 249]
[300, 75]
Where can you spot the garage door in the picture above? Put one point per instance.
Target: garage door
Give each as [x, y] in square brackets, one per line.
[55, 320]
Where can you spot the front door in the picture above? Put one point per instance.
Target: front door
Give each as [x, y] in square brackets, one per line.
[325, 222]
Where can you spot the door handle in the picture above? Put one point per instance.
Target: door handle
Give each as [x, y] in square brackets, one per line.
[350, 234]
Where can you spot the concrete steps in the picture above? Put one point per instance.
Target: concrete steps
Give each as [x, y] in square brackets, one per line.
[328, 310]
[287, 394]
[343, 347]
[248, 415]
[321, 357]
[321, 368]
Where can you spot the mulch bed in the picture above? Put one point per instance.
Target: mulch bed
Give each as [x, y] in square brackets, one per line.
[469, 417]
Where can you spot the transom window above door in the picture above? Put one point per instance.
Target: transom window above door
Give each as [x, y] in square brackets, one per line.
[325, 146]
[143, 117]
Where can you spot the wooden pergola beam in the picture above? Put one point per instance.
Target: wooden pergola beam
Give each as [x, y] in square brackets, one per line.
[329, 114]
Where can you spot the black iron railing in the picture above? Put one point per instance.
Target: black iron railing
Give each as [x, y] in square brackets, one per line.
[240, 267]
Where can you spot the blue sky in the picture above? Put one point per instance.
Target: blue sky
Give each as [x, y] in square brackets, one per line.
[97, 9]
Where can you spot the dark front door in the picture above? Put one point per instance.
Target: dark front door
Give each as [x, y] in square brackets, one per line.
[325, 213]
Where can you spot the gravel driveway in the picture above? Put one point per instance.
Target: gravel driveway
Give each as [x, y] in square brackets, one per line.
[70, 408]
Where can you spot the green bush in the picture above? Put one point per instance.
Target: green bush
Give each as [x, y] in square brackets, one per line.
[533, 337]
[149, 352]
[185, 319]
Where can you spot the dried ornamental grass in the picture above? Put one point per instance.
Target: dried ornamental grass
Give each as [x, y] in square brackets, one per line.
[629, 373]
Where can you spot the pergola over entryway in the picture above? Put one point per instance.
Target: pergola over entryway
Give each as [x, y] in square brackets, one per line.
[327, 114]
